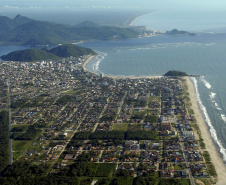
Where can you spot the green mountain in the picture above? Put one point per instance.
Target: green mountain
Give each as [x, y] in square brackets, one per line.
[68, 50]
[38, 33]
[6, 24]
[105, 32]
[177, 32]
[87, 24]
[19, 19]
[30, 55]
[24, 31]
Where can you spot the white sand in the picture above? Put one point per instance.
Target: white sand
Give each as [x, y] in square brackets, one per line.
[87, 61]
[132, 77]
[208, 140]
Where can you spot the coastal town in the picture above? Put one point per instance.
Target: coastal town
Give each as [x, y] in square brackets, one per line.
[62, 114]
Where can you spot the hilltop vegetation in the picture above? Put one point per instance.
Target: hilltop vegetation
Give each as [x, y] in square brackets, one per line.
[175, 73]
[24, 31]
[68, 50]
[30, 55]
[177, 32]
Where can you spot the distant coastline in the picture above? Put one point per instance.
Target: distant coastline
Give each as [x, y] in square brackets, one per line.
[136, 19]
[132, 23]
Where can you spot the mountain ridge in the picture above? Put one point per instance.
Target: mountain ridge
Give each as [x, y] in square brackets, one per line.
[22, 30]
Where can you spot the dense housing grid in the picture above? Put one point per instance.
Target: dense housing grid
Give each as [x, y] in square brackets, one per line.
[74, 126]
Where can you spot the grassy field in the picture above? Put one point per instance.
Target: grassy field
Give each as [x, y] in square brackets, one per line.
[120, 127]
[135, 127]
[73, 92]
[19, 147]
[154, 98]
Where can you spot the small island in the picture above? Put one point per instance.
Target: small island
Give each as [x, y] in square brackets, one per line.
[177, 32]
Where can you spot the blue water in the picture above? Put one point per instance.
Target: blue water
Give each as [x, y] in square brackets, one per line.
[190, 20]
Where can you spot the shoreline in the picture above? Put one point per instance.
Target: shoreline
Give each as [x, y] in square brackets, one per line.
[115, 76]
[132, 77]
[86, 62]
[137, 18]
[208, 140]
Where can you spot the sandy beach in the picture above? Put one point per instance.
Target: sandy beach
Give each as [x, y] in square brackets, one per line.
[87, 61]
[131, 77]
[210, 146]
[134, 20]
[137, 18]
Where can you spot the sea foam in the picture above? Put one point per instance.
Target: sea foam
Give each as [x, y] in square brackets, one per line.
[208, 121]
[212, 98]
[207, 84]
[223, 117]
[96, 62]
[212, 95]
[210, 44]
[217, 106]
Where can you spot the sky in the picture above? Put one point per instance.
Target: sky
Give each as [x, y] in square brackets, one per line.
[75, 11]
[35, 5]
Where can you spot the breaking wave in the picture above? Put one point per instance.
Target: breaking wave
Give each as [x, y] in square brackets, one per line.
[207, 119]
[95, 63]
[207, 84]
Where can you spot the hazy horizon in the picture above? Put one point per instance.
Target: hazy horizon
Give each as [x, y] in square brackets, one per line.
[26, 5]
[31, 6]
[100, 11]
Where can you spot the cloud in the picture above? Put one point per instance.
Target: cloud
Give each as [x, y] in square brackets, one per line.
[26, 7]
[11, 7]
[109, 4]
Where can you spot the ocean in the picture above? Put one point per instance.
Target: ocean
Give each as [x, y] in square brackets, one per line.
[203, 54]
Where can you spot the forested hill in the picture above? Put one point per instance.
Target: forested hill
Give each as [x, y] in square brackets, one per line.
[177, 32]
[64, 51]
[25, 31]
[68, 50]
[28, 55]
[175, 73]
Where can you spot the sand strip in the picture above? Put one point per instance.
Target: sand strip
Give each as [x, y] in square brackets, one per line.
[208, 140]
[87, 61]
